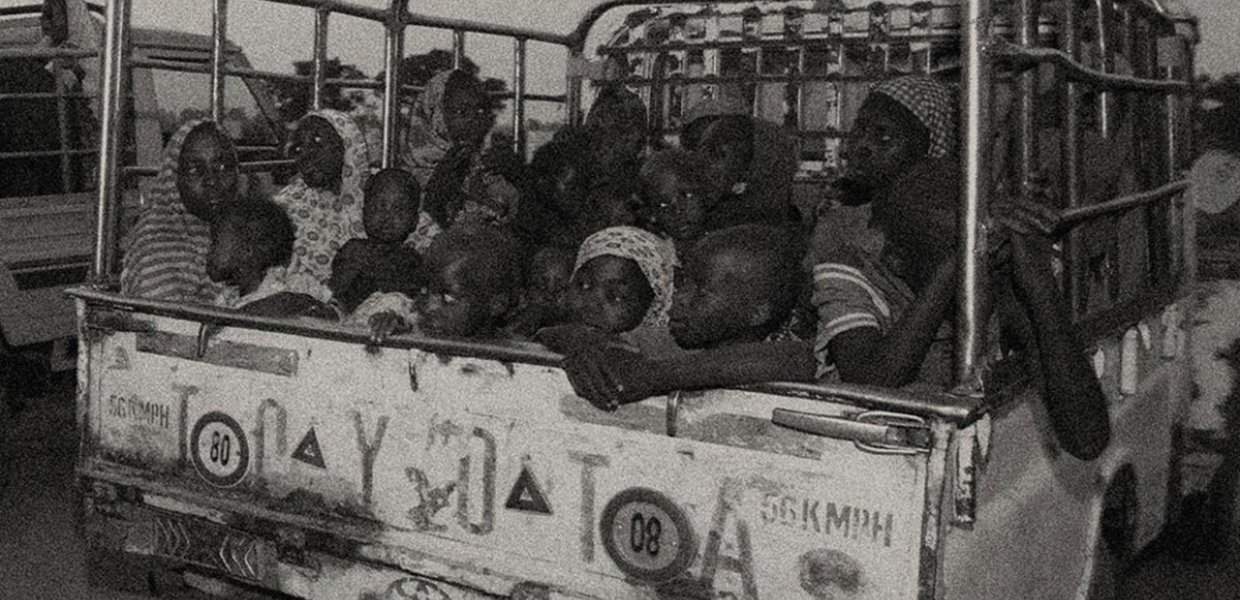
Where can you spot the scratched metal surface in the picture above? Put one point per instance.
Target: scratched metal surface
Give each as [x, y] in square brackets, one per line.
[489, 474]
[1038, 509]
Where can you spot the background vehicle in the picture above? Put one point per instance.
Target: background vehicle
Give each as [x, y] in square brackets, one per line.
[49, 157]
[289, 457]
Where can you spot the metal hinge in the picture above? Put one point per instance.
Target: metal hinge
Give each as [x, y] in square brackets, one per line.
[875, 432]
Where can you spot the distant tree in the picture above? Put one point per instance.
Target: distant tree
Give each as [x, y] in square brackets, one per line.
[294, 99]
[418, 69]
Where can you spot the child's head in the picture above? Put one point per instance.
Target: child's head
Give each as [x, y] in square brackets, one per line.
[469, 113]
[475, 274]
[903, 122]
[728, 143]
[248, 238]
[561, 170]
[318, 151]
[207, 172]
[737, 284]
[622, 279]
[390, 210]
[617, 120]
[679, 188]
[549, 273]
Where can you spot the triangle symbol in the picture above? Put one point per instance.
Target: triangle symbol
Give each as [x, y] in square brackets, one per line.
[308, 450]
[527, 496]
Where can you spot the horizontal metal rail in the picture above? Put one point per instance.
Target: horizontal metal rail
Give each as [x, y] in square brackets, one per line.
[380, 15]
[1082, 74]
[47, 153]
[747, 78]
[1075, 216]
[44, 96]
[48, 53]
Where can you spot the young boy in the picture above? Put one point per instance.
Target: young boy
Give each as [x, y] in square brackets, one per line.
[475, 277]
[680, 190]
[543, 302]
[381, 262]
[736, 288]
[251, 246]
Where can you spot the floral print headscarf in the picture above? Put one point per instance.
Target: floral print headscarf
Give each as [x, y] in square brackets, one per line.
[325, 220]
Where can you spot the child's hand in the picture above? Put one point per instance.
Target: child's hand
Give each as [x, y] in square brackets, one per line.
[572, 339]
[386, 324]
[609, 377]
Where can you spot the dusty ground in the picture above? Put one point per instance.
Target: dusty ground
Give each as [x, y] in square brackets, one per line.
[41, 555]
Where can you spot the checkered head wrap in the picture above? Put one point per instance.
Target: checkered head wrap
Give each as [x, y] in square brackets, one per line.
[653, 255]
[932, 102]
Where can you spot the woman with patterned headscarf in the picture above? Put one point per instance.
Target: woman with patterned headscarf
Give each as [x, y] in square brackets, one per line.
[463, 180]
[324, 200]
[165, 255]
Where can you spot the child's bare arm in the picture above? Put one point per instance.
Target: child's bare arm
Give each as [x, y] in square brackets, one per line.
[611, 377]
[1073, 397]
[345, 268]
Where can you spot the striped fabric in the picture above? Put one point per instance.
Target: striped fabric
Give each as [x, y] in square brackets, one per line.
[165, 256]
[852, 293]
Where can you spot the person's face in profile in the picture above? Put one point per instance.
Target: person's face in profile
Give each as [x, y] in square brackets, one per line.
[54, 20]
[728, 144]
[318, 152]
[207, 173]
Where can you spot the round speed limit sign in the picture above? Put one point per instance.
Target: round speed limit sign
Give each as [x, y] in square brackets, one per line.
[219, 448]
[647, 535]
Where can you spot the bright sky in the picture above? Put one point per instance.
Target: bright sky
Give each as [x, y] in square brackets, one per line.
[274, 36]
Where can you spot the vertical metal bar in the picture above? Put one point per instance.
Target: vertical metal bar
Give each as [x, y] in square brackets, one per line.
[1027, 131]
[62, 118]
[1169, 59]
[393, 57]
[1103, 46]
[219, 35]
[458, 49]
[111, 125]
[518, 96]
[975, 95]
[573, 87]
[802, 67]
[321, 17]
[1069, 156]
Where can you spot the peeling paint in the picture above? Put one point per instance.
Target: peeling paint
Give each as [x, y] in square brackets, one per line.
[634, 417]
[826, 573]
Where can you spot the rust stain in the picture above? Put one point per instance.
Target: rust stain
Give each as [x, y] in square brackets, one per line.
[827, 574]
[634, 417]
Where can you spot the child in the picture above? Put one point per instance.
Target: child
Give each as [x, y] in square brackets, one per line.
[544, 302]
[622, 279]
[679, 190]
[474, 282]
[736, 288]
[381, 262]
[251, 246]
[553, 206]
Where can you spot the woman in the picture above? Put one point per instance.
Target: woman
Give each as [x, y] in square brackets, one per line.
[461, 178]
[165, 257]
[324, 200]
